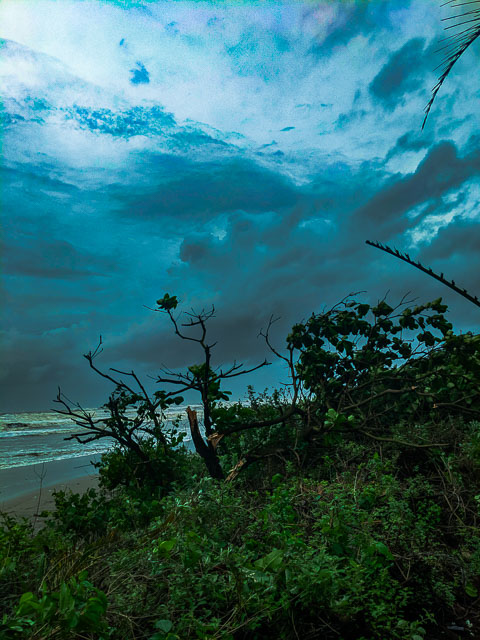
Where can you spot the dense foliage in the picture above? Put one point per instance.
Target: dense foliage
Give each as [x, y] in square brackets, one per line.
[347, 508]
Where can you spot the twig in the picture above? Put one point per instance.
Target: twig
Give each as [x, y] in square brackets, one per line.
[41, 477]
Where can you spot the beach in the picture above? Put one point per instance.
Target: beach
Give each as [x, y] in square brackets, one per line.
[38, 456]
[25, 491]
[27, 505]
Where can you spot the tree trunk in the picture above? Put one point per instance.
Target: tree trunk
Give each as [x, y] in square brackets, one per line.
[206, 451]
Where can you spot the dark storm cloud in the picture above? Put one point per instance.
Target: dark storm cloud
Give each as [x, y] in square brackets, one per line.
[411, 141]
[353, 19]
[404, 73]
[39, 258]
[187, 139]
[461, 238]
[209, 188]
[140, 74]
[441, 171]
[263, 265]
[455, 252]
[154, 344]
[257, 276]
[34, 364]
[43, 178]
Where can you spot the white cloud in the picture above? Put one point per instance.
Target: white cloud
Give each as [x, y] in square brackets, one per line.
[233, 68]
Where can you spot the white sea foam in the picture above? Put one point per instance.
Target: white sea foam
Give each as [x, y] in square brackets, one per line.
[29, 459]
[35, 437]
[36, 432]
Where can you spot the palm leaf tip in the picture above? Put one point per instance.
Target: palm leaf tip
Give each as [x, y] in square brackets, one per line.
[460, 41]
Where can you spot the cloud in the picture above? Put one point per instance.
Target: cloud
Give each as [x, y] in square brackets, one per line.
[459, 238]
[402, 74]
[352, 117]
[34, 364]
[39, 258]
[439, 172]
[139, 74]
[187, 139]
[348, 21]
[185, 188]
[135, 121]
[411, 141]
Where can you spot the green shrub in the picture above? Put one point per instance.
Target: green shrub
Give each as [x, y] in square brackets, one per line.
[76, 609]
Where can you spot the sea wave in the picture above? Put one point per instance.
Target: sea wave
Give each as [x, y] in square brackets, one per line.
[20, 448]
[35, 420]
[31, 458]
[36, 432]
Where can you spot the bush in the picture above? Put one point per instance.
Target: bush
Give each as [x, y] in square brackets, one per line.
[76, 609]
[121, 467]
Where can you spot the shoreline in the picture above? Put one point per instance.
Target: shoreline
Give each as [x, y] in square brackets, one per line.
[28, 505]
[24, 491]
[19, 481]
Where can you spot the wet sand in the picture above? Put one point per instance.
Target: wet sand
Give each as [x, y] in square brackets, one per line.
[25, 491]
[29, 504]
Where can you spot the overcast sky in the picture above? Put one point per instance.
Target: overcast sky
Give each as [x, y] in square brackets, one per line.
[238, 154]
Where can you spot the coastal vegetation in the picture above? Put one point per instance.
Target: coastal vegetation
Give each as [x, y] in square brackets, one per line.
[346, 505]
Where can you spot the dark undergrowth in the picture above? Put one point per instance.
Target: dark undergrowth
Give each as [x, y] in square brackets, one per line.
[370, 542]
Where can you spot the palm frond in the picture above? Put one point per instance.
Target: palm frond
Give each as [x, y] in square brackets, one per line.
[406, 258]
[457, 43]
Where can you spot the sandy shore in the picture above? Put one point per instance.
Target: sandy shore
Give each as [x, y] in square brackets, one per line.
[25, 491]
[27, 505]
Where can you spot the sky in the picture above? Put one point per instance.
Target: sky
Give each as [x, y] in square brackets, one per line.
[235, 154]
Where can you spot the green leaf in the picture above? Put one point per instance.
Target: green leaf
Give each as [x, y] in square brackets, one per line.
[28, 603]
[164, 547]
[168, 302]
[471, 590]
[163, 625]
[382, 309]
[192, 557]
[382, 548]
[362, 310]
[66, 602]
[277, 479]
[271, 562]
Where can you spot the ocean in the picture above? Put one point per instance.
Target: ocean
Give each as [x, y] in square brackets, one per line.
[35, 438]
